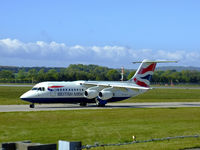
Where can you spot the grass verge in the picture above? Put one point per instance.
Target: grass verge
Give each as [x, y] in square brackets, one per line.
[104, 126]
[10, 95]
[167, 95]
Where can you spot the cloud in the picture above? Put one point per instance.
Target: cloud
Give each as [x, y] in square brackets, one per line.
[40, 53]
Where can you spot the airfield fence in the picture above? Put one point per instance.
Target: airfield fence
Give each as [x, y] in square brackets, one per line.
[63, 145]
[142, 141]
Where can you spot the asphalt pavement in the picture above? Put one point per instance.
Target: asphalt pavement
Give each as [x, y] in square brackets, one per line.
[54, 107]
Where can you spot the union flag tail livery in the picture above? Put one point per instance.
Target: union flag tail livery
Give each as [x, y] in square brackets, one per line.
[145, 71]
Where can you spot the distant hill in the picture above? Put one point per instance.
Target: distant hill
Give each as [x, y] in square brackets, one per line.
[178, 68]
[16, 69]
[93, 72]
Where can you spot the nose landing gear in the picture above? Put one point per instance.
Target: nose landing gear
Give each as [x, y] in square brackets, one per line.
[32, 105]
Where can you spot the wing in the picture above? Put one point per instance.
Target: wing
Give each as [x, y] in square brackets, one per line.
[118, 85]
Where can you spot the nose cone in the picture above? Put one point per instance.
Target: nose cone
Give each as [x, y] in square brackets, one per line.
[28, 96]
[25, 96]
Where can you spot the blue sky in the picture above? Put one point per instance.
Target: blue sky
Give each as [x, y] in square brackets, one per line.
[105, 32]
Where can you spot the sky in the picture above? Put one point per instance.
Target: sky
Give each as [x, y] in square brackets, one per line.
[112, 33]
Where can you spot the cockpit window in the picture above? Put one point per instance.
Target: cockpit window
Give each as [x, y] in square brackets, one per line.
[39, 89]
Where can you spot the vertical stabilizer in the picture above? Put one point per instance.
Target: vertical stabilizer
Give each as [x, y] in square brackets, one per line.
[144, 73]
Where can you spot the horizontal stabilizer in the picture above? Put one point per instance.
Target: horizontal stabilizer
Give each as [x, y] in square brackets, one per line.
[155, 61]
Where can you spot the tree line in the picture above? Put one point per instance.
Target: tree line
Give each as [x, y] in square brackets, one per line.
[92, 72]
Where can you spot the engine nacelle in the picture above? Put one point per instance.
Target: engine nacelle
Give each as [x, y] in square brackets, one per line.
[105, 95]
[90, 94]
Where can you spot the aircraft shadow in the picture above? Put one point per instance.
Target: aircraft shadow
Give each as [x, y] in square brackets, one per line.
[95, 106]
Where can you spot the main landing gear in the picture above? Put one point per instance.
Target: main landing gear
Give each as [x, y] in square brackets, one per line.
[101, 105]
[83, 104]
[32, 105]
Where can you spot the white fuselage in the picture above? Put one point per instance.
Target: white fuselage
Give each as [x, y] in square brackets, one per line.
[74, 92]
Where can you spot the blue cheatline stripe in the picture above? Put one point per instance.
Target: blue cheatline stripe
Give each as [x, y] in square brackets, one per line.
[69, 100]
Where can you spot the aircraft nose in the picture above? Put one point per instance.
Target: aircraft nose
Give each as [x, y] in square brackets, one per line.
[24, 96]
[27, 95]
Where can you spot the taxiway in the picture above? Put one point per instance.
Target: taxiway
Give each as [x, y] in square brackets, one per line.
[54, 107]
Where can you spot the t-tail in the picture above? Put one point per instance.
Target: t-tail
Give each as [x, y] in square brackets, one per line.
[144, 73]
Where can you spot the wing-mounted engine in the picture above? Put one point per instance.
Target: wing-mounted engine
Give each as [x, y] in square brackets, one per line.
[106, 94]
[92, 92]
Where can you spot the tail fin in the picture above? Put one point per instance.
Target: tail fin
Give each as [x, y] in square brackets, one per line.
[144, 73]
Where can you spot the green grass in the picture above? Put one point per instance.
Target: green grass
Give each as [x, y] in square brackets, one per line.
[10, 95]
[177, 85]
[104, 126]
[168, 95]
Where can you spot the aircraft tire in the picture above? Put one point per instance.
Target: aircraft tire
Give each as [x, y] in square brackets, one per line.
[32, 105]
[101, 105]
[83, 104]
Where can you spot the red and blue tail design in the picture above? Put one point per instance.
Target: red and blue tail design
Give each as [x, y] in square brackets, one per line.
[144, 73]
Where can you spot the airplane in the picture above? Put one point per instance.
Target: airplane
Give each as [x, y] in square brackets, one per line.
[99, 92]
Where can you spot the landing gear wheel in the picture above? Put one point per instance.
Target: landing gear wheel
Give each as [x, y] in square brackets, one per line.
[32, 105]
[83, 104]
[101, 105]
